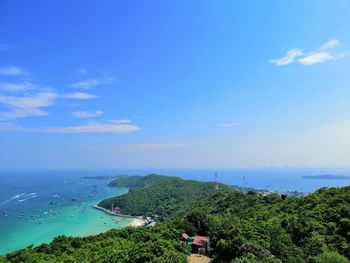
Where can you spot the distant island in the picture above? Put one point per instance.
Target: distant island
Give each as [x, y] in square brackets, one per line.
[326, 177]
[101, 177]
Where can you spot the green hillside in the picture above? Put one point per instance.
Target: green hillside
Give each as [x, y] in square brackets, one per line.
[158, 195]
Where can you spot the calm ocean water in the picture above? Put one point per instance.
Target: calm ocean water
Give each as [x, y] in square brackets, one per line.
[36, 206]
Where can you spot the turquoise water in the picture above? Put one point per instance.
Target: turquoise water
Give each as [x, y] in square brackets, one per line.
[71, 221]
[35, 211]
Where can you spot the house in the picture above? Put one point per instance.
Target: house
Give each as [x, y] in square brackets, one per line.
[185, 237]
[199, 244]
[117, 210]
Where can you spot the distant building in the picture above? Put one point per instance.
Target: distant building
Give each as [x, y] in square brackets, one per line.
[117, 209]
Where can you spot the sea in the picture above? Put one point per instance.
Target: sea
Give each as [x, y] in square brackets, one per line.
[36, 206]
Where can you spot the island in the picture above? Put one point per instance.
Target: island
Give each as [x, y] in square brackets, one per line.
[326, 177]
[101, 177]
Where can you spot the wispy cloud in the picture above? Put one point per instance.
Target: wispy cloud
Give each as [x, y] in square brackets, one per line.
[229, 125]
[330, 44]
[153, 146]
[13, 71]
[94, 127]
[20, 98]
[79, 96]
[21, 106]
[87, 114]
[288, 58]
[28, 106]
[120, 121]
[89, 83]
[21, 113]
[319, 55]
[42, 99]
[17, 87]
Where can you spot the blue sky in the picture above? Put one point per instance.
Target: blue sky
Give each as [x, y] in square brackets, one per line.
[89, 84]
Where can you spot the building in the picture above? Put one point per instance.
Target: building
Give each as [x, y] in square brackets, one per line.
[199, 244]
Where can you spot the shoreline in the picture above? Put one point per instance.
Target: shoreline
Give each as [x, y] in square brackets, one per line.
[136, 220]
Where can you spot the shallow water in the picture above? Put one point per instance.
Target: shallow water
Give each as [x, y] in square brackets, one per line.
[34, 208]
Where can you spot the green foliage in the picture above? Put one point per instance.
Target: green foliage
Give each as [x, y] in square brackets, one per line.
[137, 181]
[158, 195]
[329, 257]
[144, 244]
[251, 258]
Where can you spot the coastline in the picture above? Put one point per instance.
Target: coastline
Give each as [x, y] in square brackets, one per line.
[136, 220]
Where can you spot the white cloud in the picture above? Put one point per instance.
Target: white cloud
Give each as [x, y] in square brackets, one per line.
[228, 125]
[94, 127]
[320, 55]
[21, 113]
[79, 96]
[29, 98]
[120, 121]
[16, 87]
[288, 58]
[42, 99]
[13, 71]
[89, 83]
[330, 44]
[87, 114]
[20, 106]
[153, 146]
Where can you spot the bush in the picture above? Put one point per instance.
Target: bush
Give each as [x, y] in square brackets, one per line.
[329, 257]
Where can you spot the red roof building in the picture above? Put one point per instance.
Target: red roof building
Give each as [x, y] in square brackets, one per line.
[200, 241]
[199, 244]
[185, 236]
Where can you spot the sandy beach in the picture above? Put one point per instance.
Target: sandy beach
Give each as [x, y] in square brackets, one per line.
[136, 221]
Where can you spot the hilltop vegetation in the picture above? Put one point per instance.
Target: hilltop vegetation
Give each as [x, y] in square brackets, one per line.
[138, 181]
[243, 228]
[158, 195]
[290, 230]
[156, 244]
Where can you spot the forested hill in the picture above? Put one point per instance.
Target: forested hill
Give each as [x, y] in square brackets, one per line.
[313, 229]
[158, 195]
[243, 228]
[138, 181]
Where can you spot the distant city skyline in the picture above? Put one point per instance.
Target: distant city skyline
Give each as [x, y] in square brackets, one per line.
[174, 84]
